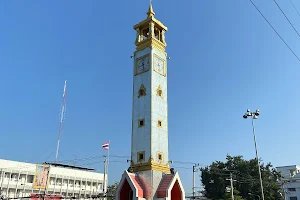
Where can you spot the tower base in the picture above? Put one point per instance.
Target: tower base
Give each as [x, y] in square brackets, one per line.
[136, 186]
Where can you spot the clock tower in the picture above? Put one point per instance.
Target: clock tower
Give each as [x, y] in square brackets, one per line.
[149, 175]
[149, 148]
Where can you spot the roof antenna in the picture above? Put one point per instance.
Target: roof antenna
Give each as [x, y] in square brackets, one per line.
[62, 117]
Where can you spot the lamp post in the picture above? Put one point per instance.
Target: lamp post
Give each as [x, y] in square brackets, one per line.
[254, 195]
[254, 115]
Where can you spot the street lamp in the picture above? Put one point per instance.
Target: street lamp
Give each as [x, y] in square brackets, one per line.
[254, 115]
[254, 195]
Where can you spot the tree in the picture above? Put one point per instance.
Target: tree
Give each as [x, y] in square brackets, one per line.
[246, 184]
[236, 195]
[111, 191]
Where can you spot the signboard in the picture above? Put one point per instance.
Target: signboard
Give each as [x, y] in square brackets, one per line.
[41, 177]
[46, 197]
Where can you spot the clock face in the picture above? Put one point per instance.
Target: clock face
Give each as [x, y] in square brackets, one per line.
[159, 65]
[142, 64]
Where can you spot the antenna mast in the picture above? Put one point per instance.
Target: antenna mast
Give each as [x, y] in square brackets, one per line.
[62, 117]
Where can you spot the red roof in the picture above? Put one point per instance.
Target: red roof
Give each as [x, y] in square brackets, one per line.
[163, 187]
[138, 187]
[144, 190]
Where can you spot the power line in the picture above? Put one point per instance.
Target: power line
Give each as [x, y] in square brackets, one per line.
[218, 173]
[295, 8]
[80, 159]
[286, 17]
[179, 167]
[242, 176]
[181, 162]
[241, 179]
[91, 158]
[187, 163]
[275, 30]
[50, 155]
[36, 158]
[111, 161]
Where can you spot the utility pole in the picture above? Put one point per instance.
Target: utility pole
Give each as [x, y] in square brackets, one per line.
[194, 170]
[231, 185]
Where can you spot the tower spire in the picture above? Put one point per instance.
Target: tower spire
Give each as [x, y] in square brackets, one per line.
[150, 12]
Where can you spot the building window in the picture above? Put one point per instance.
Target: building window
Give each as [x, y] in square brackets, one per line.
[142, 91]
[293, 198]
[159, 156]
[14, 177]
[30, 179]
[141, 122]
[292, 189]
[159, 123]
[141, 156]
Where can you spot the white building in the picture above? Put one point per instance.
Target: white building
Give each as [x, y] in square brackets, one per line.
[290, 181]
[16, 180]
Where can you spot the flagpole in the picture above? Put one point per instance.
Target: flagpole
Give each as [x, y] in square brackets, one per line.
[106, 147]
[108, 160]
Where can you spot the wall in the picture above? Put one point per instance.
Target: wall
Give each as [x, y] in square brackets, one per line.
[16, 179]
[290, 182]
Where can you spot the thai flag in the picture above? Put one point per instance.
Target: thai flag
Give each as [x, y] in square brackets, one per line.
[105, 146]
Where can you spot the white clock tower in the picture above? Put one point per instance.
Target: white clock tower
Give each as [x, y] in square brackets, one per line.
[149, 149]
[149, 171]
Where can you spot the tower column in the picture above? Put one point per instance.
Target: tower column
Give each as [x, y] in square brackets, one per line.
[149, 175]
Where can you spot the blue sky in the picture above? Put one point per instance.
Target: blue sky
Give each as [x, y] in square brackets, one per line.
[224, 59]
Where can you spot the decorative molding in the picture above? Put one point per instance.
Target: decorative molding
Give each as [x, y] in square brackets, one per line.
[150, 165]
[151, 42]
[142, 91]
[148, 20]
[159, 92]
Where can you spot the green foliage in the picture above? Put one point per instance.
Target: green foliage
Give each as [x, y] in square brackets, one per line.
[236, 195]
[111, 191]
[245, 172]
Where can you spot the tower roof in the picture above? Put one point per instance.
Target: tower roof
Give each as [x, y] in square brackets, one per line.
[150, 12]
[150, 17]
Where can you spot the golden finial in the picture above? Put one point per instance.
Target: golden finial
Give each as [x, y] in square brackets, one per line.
[150, 12]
